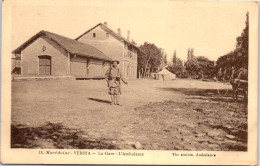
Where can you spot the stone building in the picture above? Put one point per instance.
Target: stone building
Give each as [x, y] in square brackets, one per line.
[47, 53]
[114, 45]
[87, 56]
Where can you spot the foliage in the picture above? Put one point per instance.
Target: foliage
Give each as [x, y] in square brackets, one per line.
[197, 67]
[237, 58]
[190, 54]
[177, 67]
[207, 68]
[133, 42]
[200, 67]
[164, 59]
[150, 58]
[174, 58]
[193, 68]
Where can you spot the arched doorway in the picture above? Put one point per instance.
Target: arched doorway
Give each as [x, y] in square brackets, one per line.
[44, 65]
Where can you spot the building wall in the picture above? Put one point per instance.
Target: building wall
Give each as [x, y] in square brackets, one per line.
[85, 67]
[30, 59]
[13, 64]
[78, 66]
[109, 45]
[98, 68]
[130, 62]
[113, 48]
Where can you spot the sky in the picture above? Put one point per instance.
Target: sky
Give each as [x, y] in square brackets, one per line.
[210, 28]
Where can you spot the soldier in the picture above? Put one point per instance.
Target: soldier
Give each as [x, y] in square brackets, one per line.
[241, 83]
[113, 77]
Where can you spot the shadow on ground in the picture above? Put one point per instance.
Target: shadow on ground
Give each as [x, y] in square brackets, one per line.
[57, 136]
[99, 100]
[218, 95]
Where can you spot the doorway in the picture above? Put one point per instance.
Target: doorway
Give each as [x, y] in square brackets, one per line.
[45, 65]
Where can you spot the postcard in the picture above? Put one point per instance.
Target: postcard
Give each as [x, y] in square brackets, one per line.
[129, 82]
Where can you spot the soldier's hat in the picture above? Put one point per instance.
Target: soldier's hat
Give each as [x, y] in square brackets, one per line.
[115, 61]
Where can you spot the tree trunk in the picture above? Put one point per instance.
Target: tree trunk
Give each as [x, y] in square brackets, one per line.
[141, 73]
[146, 66]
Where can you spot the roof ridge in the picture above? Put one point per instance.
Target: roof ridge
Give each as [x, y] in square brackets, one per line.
[70, 45]
[88, 31]
[111, 30]
[71, 39]
[120, 36]
[78, 42]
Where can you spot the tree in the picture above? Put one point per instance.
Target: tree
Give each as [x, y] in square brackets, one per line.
[188, 54]
[207, 67]
[165, 58]
[193, 68]
[237, 58]
[133, 42]
[174, 58]
[200, 67]
[149, 59]
[192, 53]
[176, 66]
[242, 46]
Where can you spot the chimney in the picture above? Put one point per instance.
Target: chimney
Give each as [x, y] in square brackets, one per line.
[105, 23]
[119, 31]
[128, 35]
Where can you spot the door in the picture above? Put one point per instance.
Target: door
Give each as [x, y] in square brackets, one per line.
[45, 65]
[79, 67]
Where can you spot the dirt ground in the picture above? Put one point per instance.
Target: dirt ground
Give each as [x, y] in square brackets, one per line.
[181, 114]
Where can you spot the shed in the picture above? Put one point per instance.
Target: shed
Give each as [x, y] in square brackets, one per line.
[48, 53]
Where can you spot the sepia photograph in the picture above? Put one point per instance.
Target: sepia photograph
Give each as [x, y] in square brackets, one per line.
[131, 76]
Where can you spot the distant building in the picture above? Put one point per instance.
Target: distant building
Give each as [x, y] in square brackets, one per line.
[114, 45]
[47, 53]
[164, 74]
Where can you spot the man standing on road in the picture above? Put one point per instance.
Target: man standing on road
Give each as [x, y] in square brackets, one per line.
[113, 77]
[241, 82]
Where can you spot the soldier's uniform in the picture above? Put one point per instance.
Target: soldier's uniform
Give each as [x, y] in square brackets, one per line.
[240, 84]
[113, 76]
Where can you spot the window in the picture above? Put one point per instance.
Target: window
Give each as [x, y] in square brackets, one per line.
[107, 34]
[94, 35]
[18, 56]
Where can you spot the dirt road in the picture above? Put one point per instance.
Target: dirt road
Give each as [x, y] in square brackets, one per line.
[175, 115]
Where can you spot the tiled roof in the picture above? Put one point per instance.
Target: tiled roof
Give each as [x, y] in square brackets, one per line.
[111, 32]
[72, 46]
